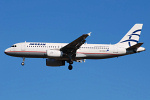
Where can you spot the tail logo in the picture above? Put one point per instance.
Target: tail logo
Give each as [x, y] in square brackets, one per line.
[130, 36]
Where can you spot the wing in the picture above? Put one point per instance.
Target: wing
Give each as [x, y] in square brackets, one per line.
[70, 49]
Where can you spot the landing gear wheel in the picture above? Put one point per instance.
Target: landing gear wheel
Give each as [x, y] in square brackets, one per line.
[22, 63]
[70, 67]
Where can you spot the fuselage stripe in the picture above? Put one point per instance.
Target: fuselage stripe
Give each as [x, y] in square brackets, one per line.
[29, 51]
[96, 53]
[77, 52]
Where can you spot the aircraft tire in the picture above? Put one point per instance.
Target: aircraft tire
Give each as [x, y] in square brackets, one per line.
[22, 63]
[70, 67]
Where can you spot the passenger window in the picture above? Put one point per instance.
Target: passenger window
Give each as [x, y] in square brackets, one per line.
[13, 46]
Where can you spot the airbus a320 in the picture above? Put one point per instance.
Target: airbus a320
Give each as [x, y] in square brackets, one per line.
[57, 54]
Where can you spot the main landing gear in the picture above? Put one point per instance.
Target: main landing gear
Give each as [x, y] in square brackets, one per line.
[70, 65]
[23, 61]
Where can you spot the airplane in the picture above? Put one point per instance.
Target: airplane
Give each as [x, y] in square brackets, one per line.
[57, 54]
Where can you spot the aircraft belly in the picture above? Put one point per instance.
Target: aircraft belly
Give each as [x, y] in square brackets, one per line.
[28, 54]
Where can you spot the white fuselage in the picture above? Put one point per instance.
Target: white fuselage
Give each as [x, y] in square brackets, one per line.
[59, 53]
[86, 51]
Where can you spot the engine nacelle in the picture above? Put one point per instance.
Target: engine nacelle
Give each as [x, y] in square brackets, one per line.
[54, 53]
[53, 62]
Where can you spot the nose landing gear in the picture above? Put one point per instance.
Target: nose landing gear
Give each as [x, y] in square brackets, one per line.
[23, 61]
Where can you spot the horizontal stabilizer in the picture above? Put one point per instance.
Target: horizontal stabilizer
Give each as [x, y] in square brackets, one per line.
[135, 46]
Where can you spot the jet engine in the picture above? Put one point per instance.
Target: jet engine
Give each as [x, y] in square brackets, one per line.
[54, 53]
[53, 62]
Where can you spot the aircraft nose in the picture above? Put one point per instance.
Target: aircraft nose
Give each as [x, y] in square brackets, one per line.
[6, 51]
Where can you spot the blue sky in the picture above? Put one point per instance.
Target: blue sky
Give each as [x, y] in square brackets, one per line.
[123, 78]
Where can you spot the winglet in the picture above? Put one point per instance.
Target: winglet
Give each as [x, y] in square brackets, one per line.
[89, 34]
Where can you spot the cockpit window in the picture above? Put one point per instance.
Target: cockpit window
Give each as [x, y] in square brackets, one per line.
[13, 46]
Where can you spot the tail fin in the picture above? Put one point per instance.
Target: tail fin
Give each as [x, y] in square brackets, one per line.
[132, 37]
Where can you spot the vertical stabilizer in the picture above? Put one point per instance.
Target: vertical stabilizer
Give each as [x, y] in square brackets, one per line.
[132, 37]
